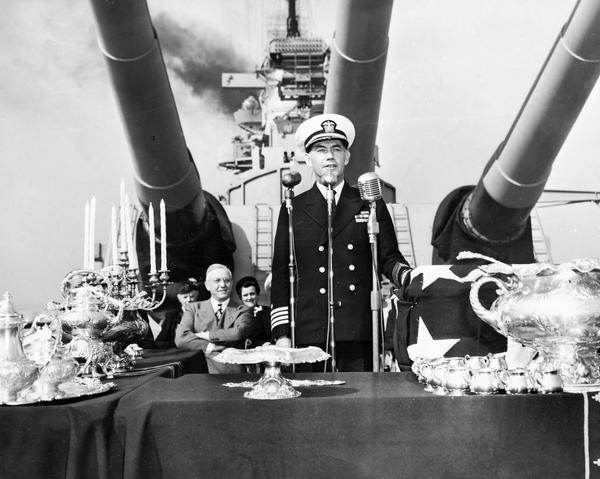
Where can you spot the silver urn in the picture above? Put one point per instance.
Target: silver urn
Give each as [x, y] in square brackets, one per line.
[554, 309]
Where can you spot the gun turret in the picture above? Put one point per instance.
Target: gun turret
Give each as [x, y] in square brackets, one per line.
[493, 217]
[199, 232]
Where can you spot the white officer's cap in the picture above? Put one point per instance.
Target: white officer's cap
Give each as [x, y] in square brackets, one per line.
[328, 126]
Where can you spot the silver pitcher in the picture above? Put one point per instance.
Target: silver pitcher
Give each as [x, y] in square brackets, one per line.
[17, 372]
[517, 381]
[554, 309]
[548, 382]
[457, 380]
[485, 381]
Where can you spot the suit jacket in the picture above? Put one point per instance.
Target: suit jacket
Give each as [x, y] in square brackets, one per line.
[352, 266]
[166, 337]
[200, 316]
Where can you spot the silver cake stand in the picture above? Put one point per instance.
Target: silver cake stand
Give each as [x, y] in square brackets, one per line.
[272, 384]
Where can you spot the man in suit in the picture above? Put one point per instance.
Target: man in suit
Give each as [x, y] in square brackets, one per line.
[163, 321]
[216, 323]
[325, 139]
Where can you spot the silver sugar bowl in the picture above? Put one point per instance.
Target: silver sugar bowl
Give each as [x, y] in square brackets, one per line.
[61, 368]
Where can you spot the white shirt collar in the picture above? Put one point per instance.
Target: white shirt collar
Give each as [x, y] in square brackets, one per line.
[215, 303]
[155, 326]
[337, 189]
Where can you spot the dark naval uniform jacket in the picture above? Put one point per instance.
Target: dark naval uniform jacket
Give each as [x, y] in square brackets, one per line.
[352, 266]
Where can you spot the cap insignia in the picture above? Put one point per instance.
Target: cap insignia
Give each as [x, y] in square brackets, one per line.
[328, 126]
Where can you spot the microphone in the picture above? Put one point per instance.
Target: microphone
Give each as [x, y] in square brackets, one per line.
[291, 179]
[369, 187]
[330, 179]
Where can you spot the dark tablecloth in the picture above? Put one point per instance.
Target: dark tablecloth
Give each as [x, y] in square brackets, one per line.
[181, 361]
[374, 426]
[65, 439]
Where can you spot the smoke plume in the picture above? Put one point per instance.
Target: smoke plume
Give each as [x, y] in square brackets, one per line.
[199, 58]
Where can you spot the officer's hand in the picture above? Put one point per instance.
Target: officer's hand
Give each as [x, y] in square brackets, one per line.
[283, 342]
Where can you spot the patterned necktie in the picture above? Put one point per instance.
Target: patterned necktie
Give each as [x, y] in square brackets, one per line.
[219, 313]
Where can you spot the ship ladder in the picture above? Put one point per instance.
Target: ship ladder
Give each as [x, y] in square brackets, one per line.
[541, 247]
[264, 241]
[399, 214]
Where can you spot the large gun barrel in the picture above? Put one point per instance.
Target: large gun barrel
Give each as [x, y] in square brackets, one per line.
[516, 179]
[356, 72]
[497, 211]
[162, 164]
[163, 167]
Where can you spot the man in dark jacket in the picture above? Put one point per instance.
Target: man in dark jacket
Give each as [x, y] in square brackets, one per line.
[326, 139]
[163, 322]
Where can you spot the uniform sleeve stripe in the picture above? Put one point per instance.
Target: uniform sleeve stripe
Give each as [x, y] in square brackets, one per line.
[279, 316]
[278, 312]
[279, 322]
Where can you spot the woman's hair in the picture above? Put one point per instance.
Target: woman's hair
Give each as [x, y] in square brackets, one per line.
[246, 282]
[190, 284]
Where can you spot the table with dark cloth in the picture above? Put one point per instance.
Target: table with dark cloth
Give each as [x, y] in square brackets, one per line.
[377, 425]
[75, 438]
[72, 438]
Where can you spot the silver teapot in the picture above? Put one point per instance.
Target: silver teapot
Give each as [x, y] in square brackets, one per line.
[554, 309]
[17, 371]
[85, 319]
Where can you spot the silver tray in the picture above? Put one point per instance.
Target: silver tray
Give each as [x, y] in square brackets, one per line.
[71, 389]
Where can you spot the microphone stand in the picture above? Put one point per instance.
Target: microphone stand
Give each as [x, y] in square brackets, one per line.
[289, 196]
[330, 303]
[373, 230]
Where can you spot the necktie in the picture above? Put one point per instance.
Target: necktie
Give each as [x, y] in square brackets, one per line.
[219, 313]
[334, 202]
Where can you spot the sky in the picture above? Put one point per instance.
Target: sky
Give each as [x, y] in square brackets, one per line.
[457, 73]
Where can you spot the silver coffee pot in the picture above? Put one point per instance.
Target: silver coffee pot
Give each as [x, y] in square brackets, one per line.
[17, 372]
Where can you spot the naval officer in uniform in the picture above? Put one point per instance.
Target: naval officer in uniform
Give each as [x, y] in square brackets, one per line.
[326, 140]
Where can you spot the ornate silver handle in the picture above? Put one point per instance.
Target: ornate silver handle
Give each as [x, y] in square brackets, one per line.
[489, 316]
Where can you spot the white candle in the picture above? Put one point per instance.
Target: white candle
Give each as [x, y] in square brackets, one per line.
[122, 235]
[113, 234]
[86, 235]
[128, 234]
[92, 249]
[152, 239]
[163, 236]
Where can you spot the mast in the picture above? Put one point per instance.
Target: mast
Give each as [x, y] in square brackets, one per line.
[292, 20]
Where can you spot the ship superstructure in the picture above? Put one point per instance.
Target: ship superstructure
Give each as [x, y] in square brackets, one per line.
[291, 85]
